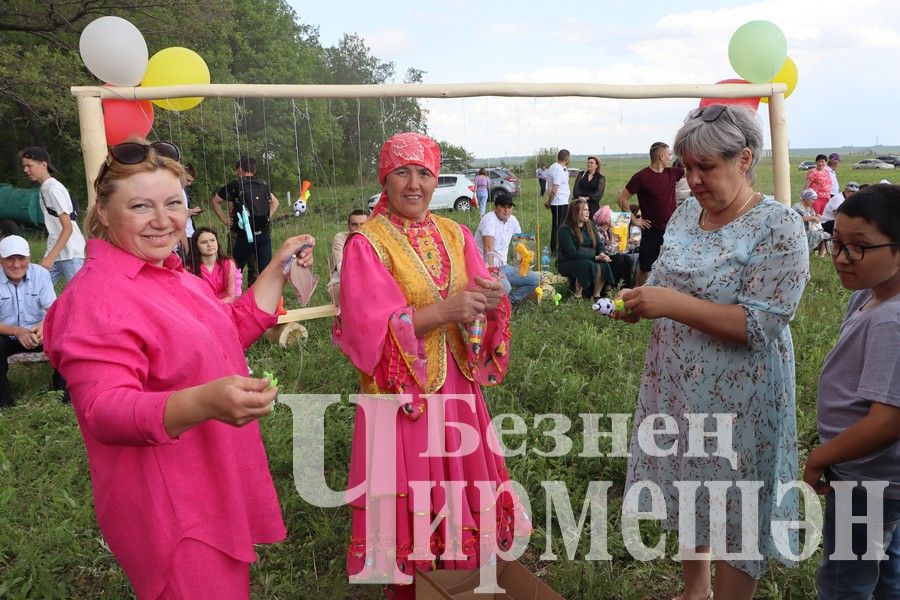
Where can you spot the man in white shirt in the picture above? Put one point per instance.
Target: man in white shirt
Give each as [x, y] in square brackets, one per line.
[65, 244]
[828, 213]
[493, 237]
[558, 198]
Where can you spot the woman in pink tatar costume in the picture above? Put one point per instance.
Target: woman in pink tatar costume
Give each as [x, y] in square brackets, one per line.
[420, 315]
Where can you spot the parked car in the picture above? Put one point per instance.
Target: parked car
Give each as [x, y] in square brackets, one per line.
[453, 191]
[873, 163]
[894, 160]
[806, 165]
[502, 181]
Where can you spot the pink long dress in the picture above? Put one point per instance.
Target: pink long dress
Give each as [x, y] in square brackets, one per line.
[376, 332]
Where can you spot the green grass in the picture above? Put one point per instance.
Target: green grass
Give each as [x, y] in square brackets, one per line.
[564, 360]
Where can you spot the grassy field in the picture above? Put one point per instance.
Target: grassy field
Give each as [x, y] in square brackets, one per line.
[564, 360]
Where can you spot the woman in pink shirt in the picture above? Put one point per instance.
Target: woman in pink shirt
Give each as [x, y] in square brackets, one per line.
[819, 180]
[159, 385]
[210, 264]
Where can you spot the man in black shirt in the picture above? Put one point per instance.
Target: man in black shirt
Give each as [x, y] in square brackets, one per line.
[247, 196]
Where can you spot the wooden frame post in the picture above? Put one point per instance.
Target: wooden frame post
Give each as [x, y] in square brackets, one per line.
[781, 161]
[93, 140]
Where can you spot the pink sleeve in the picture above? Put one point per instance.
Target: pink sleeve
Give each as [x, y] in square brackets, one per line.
[250, 320]
[108, 377]
[492, 364]
[376, 328]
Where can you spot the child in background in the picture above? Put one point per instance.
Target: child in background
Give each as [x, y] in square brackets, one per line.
[209, 263]
[859, 403]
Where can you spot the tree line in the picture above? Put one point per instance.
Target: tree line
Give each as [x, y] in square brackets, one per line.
[330, 142]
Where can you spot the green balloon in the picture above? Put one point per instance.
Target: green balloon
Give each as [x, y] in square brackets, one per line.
[757, 51]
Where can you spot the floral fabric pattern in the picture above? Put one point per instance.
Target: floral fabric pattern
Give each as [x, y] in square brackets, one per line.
[759, 261]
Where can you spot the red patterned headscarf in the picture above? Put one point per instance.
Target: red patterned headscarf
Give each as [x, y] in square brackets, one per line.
[402, 149]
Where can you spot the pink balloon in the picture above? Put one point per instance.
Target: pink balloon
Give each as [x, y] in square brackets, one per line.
[125, 118]
[748, 102]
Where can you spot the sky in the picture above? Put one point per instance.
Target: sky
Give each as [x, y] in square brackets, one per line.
[846, 53]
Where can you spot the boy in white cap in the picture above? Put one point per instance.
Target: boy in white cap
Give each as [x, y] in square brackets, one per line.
[26, 293]
[65, 244]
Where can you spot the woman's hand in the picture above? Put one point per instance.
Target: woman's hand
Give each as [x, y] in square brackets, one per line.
[648, 302]
[642, 223]
[463, 307]
[289, 248]
[603, 257]
[491, 290]
[236, 400]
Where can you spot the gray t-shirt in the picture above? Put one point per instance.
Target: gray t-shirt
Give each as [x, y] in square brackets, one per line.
[863, 367]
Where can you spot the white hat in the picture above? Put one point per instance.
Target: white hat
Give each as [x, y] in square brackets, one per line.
[884, 181]
[14, 245]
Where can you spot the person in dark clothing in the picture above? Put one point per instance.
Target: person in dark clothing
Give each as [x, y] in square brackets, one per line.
[582, 253]
[590, 184]
[255, 253]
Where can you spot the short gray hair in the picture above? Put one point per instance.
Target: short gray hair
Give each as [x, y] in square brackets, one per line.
[737, 128]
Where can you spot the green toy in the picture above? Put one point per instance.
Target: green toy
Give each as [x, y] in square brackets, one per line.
[273, 381]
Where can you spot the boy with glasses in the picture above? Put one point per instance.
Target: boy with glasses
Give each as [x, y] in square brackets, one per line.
[857, 465]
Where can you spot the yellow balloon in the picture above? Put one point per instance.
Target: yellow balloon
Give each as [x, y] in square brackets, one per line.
[176, 66]
[787, 74]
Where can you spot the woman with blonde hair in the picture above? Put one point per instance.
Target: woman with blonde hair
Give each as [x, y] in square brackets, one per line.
[155, 366]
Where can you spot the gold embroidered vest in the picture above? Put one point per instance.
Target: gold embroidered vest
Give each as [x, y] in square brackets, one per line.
[419, 289]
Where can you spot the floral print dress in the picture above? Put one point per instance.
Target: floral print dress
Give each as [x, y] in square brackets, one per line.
[759, 261]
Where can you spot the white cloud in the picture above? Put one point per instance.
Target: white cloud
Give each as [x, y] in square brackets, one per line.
[391, 41]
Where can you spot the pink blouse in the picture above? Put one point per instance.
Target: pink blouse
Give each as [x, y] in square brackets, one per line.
[125, 335]
[217, 280]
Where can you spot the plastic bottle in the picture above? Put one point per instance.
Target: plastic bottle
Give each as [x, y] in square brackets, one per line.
[545, 258]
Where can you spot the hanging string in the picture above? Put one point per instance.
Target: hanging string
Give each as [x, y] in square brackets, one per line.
[222, 134]
[334, 202]
[362, 193]
[206, 181]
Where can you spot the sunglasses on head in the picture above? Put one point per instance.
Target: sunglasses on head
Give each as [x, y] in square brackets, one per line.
[132, 153]
[712, 112]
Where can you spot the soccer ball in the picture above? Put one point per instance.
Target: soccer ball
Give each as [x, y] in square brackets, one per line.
[604, 306]
[299, 207]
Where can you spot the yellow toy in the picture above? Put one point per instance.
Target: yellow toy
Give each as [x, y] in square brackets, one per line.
[525, 258]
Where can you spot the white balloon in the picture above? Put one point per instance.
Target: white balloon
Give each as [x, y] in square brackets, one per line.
[114, 51]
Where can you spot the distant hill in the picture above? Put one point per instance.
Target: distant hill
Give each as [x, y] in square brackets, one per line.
[800, 153]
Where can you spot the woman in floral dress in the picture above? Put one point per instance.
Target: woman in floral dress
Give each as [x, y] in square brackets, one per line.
[731, 274]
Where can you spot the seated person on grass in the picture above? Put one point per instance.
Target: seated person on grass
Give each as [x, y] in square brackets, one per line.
[26, 293]
[493, 236]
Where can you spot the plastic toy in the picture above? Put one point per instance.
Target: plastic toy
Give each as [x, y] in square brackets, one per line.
[539, 292]
[605, 306]
[526, 256]
[476, 335]
[300, 204]
[556, 298]
[243, 222]
[273, 381]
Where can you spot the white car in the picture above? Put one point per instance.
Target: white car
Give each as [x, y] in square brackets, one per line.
[873, 163]
[453, 191]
